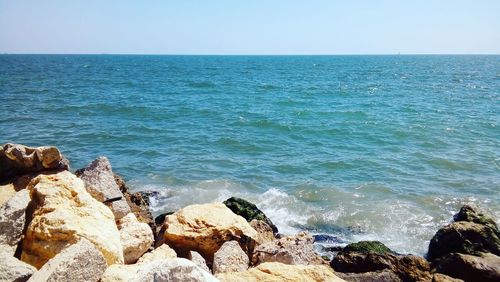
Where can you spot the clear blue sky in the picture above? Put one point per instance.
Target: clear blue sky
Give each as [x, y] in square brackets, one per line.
[250, 27]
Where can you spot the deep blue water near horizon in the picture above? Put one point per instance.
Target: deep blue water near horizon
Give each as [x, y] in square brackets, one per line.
[359, 147]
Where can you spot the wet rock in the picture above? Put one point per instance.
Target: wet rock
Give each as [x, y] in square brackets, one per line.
[162, 252]
[471, 233]
[378, 276]
[484, 267]
[62, 212]
[79, 262]
[171, 270]
[204, 228]
[136, 237]
[406, 267]
[279, 272]
[248, 211]
[12, 269]
[230, 258]
[12, 220]
[265, 232]
[329, 239]
[198, 260]
[100, 183]
[16, 159]
[298, 249]
[138, 203]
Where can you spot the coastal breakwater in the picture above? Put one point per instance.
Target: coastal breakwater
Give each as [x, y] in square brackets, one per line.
[88, 226]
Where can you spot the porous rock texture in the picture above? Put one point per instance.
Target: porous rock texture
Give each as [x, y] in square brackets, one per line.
[264, 231]
[230, 258]
[12, 220]
[204, 228]
[16, 159]
[136, 237]
[298, 249]
[198, 260]
[62, 212]
[12, 269]
[279, 272]
[79, 262]
[162, 252]
[100, 183]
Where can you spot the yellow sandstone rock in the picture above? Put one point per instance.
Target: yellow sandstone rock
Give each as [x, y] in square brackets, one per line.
[204, 228]
[7, 191]
[63, 212]
[275, 271]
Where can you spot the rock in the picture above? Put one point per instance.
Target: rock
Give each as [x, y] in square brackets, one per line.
[62, 212]
[264, 231]
[16, 159]
[171, 270]
[378, 276]
[136, 237]
[367, 247]
[464, 237]
[198, 260]
[407, 267]
[298, 249]
[230, 258]
[12, 220]
[12, 269]
[439, 277]
[138, 203]
[100, 183]
[79, 262]
[485, 267]
[279, 272]
[204, 228]
[162, 252]
[468, 213]
[248, 211]
[7, 191]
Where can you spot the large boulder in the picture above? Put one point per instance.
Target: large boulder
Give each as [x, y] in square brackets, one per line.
[171, 270]
[16, 159]
[230, 258]
[298, 249]
[375, 276]
[12, 269]
[373, 256]
[136, 237]
[79, 262]
[204, 228]
[12, 220]
[248, 211]
[279, 272]
[100, 183]
[484, 267]
[471, 233]
[162, 252]
[62, 212]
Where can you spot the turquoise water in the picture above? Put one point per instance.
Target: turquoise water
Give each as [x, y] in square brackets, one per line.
[359, 147]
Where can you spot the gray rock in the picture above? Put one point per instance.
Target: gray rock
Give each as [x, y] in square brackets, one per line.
[79, 262]
[13, 219]
[16, 159]
[298, 249]
[100, 183]
[230, 258]
[12, 269]
[378, 276]
[172, 270]
[198, 260]
[485, 267]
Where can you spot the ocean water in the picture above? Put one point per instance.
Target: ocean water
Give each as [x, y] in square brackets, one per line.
[358, 147]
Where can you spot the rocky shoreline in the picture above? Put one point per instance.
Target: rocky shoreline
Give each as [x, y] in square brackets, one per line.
[88, 226]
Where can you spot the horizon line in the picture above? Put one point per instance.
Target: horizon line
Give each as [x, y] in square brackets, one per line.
[270, 54]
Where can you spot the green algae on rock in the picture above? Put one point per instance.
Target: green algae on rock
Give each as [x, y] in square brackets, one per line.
[367, 247]
[248, 211]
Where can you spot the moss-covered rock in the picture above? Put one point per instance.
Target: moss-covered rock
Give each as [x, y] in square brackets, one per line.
[471, 233]
[248, 211]
[367, 247]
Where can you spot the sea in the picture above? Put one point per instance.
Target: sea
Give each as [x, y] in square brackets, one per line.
[381, 148]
